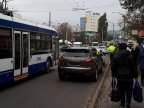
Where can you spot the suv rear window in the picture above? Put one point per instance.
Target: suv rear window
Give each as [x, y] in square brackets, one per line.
[76, 53]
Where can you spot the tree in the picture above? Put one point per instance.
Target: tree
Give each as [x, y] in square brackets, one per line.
[65, 31]
[103, 26]
[109, 37]
[133, 5]
[135, 12]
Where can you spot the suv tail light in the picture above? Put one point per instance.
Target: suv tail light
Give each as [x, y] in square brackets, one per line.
[89, 61]
[61, 60]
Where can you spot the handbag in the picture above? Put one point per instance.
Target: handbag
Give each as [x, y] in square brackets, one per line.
[137, 92]
[115, 95]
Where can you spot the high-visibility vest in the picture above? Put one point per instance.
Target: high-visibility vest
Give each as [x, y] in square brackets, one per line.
[97, 52]
[33, 50]
[111, 49]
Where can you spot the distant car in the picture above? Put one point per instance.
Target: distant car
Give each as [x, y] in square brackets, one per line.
[80, 61]
[101, 53]
[95, 44]
[62, 48]
[103, 49]
[77, 44]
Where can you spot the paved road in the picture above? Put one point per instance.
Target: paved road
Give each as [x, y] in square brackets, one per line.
[47, 91]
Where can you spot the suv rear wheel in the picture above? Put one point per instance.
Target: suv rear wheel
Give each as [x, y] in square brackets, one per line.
[95, 76]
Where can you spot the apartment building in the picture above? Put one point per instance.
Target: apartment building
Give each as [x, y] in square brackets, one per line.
[89, 22]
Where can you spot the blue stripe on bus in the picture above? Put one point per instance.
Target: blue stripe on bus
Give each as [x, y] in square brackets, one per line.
[6, 76]
[16, 25]
[36, 68]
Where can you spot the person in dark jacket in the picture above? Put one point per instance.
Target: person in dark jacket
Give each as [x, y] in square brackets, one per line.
[140, 63]
[124, 70]
[135, 52]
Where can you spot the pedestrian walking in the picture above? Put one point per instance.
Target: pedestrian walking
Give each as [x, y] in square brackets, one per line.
[140, 63]
[135, 52]
[124, 70]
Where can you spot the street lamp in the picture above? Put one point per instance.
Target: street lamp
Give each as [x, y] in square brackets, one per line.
[113, 30]
[66, 29]
[124, 18]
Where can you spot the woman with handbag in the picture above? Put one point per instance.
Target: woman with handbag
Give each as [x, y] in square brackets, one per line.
[124, 70]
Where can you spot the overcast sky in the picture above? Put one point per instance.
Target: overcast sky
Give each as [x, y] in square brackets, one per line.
[61, 10]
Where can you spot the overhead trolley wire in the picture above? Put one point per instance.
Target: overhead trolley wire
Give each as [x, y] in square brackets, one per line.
[69, 3]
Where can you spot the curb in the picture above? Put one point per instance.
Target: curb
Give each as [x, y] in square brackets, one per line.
[91, 103]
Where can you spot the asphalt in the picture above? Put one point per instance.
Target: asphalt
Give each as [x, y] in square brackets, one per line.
[91, 103]
[102, 100]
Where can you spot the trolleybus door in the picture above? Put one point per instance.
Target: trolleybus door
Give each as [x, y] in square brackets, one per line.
[21, 52]
[17, 53]
[25, 52]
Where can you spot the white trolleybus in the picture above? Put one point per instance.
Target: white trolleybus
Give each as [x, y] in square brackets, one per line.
[24, 48]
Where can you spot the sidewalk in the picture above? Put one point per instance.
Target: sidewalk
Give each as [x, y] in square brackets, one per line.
[103, 99]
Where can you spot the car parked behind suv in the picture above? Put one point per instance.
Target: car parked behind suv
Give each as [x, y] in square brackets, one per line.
[103, 49]
[80, 61]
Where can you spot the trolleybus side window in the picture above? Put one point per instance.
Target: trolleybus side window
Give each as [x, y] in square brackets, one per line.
[32, 43]
[48, 42]
[40, 43]
[37, 42]
[5, 43]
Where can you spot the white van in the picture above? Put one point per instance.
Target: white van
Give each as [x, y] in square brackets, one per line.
[94, 44]
[75, 44]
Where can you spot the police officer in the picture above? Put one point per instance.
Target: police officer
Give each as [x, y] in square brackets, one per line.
[111, 49]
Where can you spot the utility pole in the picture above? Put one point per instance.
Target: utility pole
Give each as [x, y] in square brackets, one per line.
[66, 26]
[124, 21]
[102, 35]
[49, 19]
[124, 25]
[113, 33]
